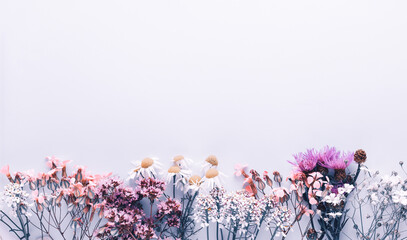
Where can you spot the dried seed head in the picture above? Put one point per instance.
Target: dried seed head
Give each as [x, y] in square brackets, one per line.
[212, 160]
[211, 173]
[360, 156]
[340, 174]
[195, 180]
[174, 169]
[322, 170]
[178, 158]
[147, 162]
[277, 177]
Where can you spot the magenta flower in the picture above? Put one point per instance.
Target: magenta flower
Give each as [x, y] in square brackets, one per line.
[306, 161]
[334, 159]
[328, 154]
[150, 188]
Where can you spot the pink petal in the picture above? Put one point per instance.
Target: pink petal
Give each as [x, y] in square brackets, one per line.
[317, 184]
[279, 192]
[34, 193]
[5, 170]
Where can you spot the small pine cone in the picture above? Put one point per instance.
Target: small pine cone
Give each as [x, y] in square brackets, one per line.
[322, 170]
[312, 234]
[340, 174]
[360, 156]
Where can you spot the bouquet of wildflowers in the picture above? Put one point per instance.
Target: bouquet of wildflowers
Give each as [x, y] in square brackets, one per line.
[323, 182]
[177, 204]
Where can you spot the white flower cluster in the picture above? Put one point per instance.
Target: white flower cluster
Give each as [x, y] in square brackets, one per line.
[280, 217]
[239, 210]
[381, 201]
[334, 200]
[15, 198]
[206, 210]
[276, 216]
[234, 211]
[388, 190]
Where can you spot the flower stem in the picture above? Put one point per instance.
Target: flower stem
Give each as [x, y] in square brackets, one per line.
[217, 230]
[173, 187]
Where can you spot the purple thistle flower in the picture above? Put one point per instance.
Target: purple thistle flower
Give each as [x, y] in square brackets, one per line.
[328, 154]
[306, 161]
[334, 159]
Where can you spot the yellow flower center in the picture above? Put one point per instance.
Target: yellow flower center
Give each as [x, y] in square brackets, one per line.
[211, 173]
[194, 180]
[178, 158]
[174, 169]
[212, 160]
[147, 162]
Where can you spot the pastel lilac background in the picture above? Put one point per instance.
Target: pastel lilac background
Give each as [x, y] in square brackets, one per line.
[104, 83]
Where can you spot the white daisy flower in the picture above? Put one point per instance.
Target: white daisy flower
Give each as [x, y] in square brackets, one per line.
[148, 167]
[178, 176]
[211, 161]
[211, 179]
[194, 183]
[182, 162]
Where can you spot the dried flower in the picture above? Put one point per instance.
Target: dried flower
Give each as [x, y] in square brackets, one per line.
[307, 161]
[277, 177]
[360, 156]
[169, 211]
[211, 179]
[16, 199]
[333, 159]
[148, 167]
[212, 160]
[239, 169]
[150, 188]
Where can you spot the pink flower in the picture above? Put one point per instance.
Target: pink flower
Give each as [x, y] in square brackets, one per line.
[52, 162]
[150, 188]
[313, 201]
[239, 169]
[303, 210]
[307, 161]
[331, 158]
[77, 189]
[280, 192]
[5, 170]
